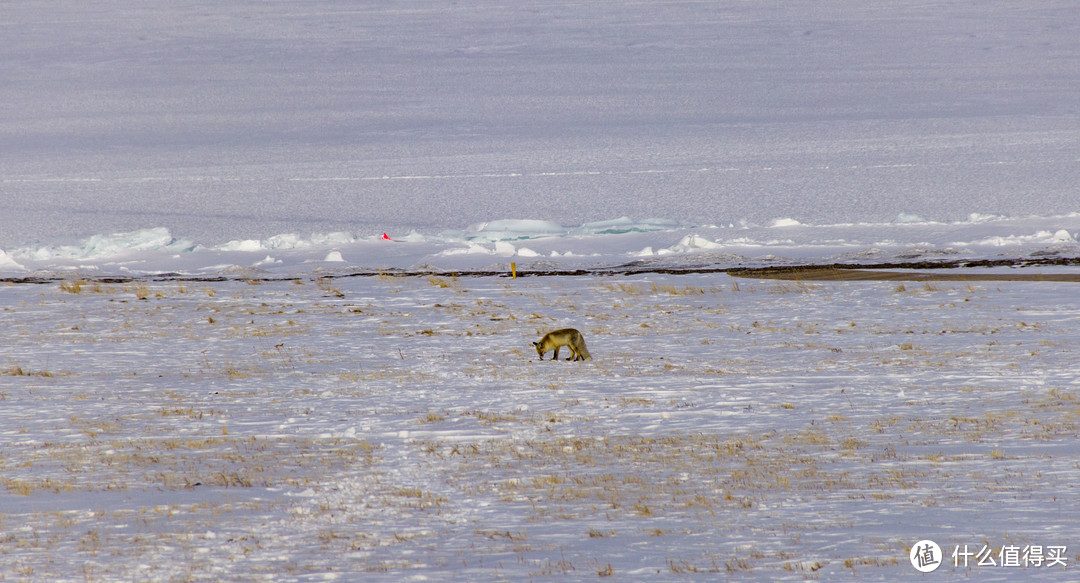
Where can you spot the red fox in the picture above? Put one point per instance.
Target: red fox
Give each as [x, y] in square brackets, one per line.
[567, 337]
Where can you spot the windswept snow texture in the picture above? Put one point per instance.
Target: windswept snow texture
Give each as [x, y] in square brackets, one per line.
[258, 325]
[401, 428]
[619, 245]
[248, 120]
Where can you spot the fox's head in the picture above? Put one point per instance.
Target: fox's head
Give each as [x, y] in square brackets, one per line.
[539, 350]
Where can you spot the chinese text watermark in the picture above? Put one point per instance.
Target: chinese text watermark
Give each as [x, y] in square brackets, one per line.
[926, 556]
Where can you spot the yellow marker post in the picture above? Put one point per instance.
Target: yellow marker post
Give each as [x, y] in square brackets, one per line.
[513, 270]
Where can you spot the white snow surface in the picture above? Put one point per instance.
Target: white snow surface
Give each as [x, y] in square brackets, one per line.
[544, 246]
[392, 428]
[259, 322]
[266, 126]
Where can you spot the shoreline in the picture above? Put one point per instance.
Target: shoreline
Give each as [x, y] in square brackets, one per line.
[887, 271]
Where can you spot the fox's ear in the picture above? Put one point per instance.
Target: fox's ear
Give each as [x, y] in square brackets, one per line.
[536, 344]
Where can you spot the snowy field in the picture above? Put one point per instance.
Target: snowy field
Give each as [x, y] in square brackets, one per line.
[248, 120]
[402, 428]
[259, 322]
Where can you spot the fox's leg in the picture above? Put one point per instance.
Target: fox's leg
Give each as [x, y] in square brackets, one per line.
[574, 354]
[556, 355]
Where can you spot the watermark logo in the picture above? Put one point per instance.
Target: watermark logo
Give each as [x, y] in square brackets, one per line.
[925, 556]
[1012, 556]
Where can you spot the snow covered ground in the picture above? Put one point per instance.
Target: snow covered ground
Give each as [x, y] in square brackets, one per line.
[402, 428]
[258, 319]
[250, 120]
[544, 246]
[195, 138]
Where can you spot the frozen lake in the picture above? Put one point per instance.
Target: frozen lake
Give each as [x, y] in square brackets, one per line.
[258, 323]
[245, 121]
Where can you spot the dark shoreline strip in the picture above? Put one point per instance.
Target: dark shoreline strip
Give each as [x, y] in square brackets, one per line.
[832, 274]
[809, 272]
